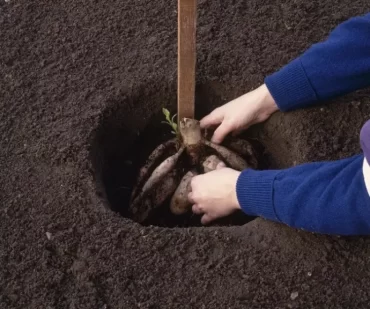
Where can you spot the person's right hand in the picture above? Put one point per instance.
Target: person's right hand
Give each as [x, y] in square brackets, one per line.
[251, 108]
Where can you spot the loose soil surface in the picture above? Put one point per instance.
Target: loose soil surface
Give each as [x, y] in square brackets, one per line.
[80, 82]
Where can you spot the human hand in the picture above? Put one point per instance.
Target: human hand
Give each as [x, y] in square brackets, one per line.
[214, 194]
[251, 108]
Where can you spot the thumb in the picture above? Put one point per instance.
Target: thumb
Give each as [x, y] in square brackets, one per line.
[212, 119]
[220, 165]
[221, 132]
[206, 219]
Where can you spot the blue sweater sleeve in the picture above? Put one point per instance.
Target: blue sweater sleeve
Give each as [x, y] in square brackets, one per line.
[325, 197]
[336, 66]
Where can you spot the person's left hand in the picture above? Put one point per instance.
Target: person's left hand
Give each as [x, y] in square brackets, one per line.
[214, 194]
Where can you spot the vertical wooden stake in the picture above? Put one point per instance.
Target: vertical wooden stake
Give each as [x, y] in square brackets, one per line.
[187, 13]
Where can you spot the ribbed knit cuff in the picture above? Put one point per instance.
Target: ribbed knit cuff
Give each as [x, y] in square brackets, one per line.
[254, 191]
[290, 87]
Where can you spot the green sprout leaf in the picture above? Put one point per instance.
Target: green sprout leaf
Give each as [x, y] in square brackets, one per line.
[170, 120]
[166, 113]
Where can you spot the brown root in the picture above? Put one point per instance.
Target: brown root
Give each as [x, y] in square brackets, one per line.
[179, 202]
[245, 149]
[164, 168]
[158, 183]
[210, 163]
[155, 198]
[232, 159]
[153, 160]
[158, 174]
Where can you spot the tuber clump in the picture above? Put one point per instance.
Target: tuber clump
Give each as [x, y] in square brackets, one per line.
[167, 174]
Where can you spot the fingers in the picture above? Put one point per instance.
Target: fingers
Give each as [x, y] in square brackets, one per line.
[196, 210]
[217, 117]
[221, 132]
[220, 165]
[196, 199]
[206, 219]
[212, 119]
[238, 131]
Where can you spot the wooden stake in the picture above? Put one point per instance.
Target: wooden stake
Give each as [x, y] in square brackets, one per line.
[187, 12]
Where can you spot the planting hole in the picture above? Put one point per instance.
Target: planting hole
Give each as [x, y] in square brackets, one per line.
[130, 129]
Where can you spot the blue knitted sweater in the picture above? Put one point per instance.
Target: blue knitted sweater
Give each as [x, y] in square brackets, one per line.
[329, 197]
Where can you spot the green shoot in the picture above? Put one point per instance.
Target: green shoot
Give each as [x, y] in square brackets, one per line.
[170, 121]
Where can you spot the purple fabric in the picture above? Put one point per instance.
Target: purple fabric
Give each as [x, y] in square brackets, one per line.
[365, 140]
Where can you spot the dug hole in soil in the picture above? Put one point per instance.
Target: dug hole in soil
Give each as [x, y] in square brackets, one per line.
[79, 80]
[121, 148]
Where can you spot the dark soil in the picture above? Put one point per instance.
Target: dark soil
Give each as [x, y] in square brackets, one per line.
[77, 78]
